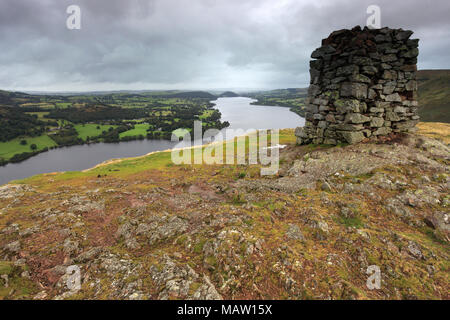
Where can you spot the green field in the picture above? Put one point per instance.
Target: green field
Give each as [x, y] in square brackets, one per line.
[181, 132]
[10, 148]
[63, 104]
[206, 114]
[139, 129]
[71, 120]
[90, 130]
[158, 160]
[40, 115]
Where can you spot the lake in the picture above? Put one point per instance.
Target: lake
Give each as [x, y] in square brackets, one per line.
[237, 111]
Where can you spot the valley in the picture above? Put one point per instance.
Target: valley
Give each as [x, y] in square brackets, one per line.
[51, 121]
[31, 124]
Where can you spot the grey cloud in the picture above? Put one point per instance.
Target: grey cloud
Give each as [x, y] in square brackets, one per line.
[154, 44]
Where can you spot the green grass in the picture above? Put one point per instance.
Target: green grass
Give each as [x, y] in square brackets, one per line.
[158, 160]
[6, 267]
[139, 129]
[355, 222]
[18, 287]
[206, 114]
[63, 104]
[40, 115]
[181, 132]
[12, 147]
[90, 130]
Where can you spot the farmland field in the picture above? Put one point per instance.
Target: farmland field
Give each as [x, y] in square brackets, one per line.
[139, 129]
[91, 130]
[10, 148]
[66, 120]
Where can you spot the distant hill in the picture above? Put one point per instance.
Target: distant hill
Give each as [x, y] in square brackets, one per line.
[9, 98]
[193, 94]
[228, 94]
[280, 93]
[14, 123]
[294, 98]
[434, 95]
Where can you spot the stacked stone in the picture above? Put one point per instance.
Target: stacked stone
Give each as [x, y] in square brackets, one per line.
[363, 84]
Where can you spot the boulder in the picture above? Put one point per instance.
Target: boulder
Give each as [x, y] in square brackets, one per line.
[356, 118]
[352, 136]
[357, 90]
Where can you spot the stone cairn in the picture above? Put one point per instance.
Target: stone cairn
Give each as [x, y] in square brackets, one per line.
[363, 84]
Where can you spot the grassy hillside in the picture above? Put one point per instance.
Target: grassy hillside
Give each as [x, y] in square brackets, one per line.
[436, 130]
[434, 95]
[294, 98]
[12, 147]
[144, 228]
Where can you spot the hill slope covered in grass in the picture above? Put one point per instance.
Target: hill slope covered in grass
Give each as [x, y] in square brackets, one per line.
[294, 98]
[434, 95]
[144, 228]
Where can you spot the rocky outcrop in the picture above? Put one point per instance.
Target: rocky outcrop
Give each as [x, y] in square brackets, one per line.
[310, 233]
[181, 281]
[363, 84]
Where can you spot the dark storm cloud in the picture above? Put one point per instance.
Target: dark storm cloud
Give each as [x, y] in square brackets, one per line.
[153, 44]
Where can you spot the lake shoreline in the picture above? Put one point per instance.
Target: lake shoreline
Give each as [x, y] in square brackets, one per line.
[28, 155]
[238, 111]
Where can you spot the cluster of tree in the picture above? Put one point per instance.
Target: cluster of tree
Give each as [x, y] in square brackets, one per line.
[67, 136]
[131, 138]
[97, 113]
[292, 97]
[185, 119]
[15, 123]
[215, 125]
[113, 134]
[296, 105]
[25, 142]
[25, 155]
[31, 109]
[159, 135]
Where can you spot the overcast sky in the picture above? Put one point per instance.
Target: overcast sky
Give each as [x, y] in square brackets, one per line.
[191, 44]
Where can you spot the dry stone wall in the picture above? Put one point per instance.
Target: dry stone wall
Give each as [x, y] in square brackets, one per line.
[363, 84]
